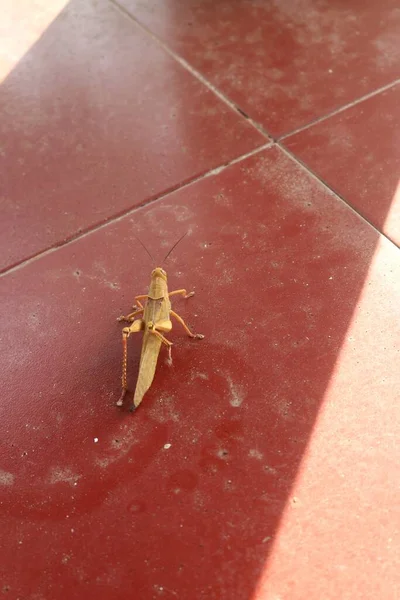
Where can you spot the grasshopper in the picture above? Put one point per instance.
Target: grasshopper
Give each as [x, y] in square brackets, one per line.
[154, 322]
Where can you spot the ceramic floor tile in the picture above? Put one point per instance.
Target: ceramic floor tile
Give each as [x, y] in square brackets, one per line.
[284, 63]
[191, 496]
[357, 152]
[95, 118]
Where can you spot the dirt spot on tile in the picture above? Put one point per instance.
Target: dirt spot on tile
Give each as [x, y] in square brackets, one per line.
[65, 559]
[253, 453]
[195, 375]
[236, 393]
[210, 465]
[137, 507]
[164, 410]
[228, 485]
[284, 408]
[223, 454]
[222, 200]
[120, 446]
[6, 478]
[63, 475]
[270, 470]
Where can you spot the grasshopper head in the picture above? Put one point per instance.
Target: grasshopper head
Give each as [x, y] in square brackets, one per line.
[159, 272]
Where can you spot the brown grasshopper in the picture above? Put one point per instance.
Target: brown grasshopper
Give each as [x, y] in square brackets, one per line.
[156, 321]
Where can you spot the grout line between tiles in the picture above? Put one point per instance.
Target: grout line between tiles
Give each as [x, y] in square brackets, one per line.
[129, 211]
[191, 70]
[339, 196]
[232, 104]
[258, 126]
[337, 111]
[210, 173]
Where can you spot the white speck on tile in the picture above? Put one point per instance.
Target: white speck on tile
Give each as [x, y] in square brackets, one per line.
[96, 440]
[167, 446]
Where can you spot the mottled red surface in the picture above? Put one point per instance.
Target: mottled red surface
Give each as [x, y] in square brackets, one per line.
[263, 464]
[357, 153]
[284, 62]
[96, 119]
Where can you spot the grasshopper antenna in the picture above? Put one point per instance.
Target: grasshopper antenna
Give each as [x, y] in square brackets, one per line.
[174, 246]
[140, 242]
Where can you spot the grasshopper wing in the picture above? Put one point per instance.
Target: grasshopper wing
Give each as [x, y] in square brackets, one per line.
[148, 362]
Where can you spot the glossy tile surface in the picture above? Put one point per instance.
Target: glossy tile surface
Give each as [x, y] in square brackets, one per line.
[266, 451]
[264, 463]
[357, 153]
[96, 118]
[284, 63]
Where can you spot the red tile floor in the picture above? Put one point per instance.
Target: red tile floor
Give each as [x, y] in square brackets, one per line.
[263, 464]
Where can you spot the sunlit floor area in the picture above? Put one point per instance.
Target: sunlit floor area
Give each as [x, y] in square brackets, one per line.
[263, 462]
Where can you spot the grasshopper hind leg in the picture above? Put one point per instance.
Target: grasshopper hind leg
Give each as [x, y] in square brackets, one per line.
[121, 398]
[133, 328]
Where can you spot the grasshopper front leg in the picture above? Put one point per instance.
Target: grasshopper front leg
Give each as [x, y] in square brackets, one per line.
[181, 293]
[131, 317]
[198, 336]
[138, 301]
